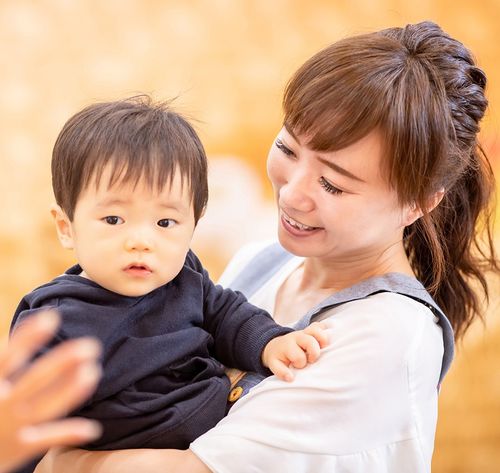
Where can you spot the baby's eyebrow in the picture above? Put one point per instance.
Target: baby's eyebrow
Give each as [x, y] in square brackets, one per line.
[171, 205]
[112, 201]
[178, 206]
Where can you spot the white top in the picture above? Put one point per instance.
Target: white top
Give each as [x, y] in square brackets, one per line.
[368, 405]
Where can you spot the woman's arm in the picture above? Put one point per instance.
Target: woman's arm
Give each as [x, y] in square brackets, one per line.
[62, 460]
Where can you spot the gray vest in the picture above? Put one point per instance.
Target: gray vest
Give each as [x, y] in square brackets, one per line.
[268, 261]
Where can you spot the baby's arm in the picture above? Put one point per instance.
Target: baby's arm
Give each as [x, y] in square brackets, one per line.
[295, 349]
[239, 329]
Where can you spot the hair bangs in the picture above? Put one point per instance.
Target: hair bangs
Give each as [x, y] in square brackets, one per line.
[335, 102]
[329, 123]
[125, 166]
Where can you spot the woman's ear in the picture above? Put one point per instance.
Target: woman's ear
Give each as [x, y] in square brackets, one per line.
[413, 212]
[435, 199]
[63, 227]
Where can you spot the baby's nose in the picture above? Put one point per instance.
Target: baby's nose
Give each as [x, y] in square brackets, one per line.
[138, 243]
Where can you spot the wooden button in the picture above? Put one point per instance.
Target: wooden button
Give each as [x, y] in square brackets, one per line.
[235, 394]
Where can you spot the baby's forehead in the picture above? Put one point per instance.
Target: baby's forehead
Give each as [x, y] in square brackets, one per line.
[127, 178]
[138, 197]
[114, 186]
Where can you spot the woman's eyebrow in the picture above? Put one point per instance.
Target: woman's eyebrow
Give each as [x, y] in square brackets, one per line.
[340, 169]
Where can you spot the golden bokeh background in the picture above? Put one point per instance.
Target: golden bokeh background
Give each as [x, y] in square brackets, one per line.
[226, 62]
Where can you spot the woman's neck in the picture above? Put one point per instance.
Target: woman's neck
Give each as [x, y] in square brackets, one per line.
[318, 278]
[319, 274]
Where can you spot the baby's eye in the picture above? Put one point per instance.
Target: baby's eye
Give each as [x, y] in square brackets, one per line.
[166, 222]
[113, 220]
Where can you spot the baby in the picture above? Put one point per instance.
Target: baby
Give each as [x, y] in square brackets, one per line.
[130, 181]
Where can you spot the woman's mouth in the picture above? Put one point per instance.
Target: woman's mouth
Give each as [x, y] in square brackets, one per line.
[295, 227]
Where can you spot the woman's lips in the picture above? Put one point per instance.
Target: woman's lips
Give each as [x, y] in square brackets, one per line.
[297, 228]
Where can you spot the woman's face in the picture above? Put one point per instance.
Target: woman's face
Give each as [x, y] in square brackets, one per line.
[334, 204]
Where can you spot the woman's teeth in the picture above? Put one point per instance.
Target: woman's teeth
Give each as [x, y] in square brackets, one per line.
[297, 225]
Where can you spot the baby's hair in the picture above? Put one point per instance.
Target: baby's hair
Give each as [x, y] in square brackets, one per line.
[139, 139]
[423, 91]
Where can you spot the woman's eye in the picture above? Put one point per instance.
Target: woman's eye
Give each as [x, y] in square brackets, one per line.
[166, 222]
[113, 220]
[329, 187]
[283, 148]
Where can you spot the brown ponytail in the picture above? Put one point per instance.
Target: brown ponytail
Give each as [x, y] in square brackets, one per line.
[423, 89]
[446, 251]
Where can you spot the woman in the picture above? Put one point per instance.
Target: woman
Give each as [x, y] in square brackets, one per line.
[380, 182]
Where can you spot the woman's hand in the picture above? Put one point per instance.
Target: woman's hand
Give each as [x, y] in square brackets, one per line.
[295, 349]
[31, 397]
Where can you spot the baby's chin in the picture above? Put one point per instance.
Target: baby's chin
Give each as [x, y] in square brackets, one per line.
[132, 289]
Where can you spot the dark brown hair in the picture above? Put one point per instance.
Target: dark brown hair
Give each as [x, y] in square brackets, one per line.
[139, 139]
[423, 90]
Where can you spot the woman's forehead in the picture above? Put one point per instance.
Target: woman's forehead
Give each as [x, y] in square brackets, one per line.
[362, 161]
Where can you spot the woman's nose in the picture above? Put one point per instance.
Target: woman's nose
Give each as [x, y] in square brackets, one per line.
[297, 193]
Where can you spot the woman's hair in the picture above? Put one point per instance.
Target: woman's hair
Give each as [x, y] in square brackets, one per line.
[422, 89]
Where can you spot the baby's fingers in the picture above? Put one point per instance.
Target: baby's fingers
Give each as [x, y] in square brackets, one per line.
[318, 331]
[281, 370]
[310, 346]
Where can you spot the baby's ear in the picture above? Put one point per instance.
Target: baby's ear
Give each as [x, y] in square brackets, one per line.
[63, 226]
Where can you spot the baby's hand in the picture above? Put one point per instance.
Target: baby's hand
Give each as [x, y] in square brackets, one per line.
[294, 349]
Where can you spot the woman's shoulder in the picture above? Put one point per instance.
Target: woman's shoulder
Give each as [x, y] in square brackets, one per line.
[387, 323]
[392, 308]
[384, 305]
[241, 258]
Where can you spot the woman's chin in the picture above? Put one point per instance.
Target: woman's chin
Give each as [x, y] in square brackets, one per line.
[297, 246]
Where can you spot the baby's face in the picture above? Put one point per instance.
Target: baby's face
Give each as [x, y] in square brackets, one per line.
[132, 240]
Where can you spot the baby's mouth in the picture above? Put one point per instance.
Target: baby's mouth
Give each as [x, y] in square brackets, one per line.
[138, 269]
